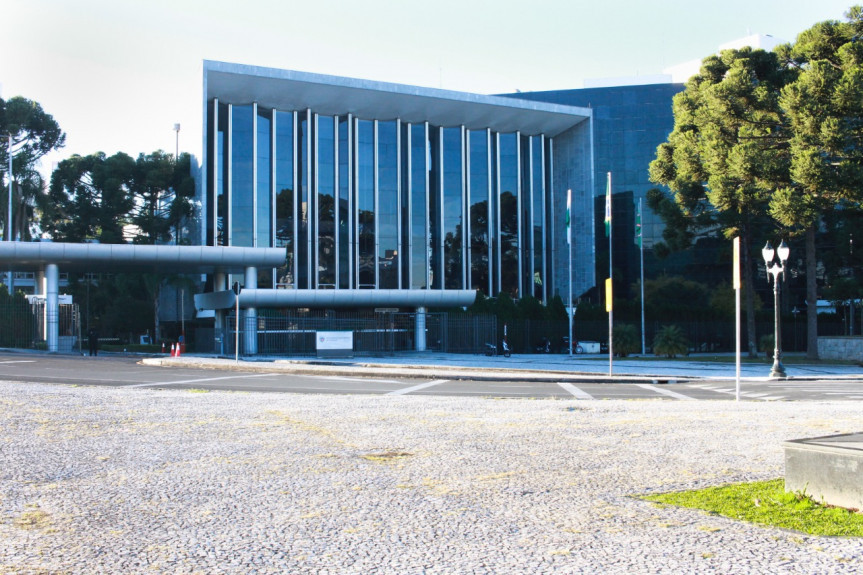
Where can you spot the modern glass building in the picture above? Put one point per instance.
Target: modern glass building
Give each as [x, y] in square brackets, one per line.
[375, 186]
[629, 122]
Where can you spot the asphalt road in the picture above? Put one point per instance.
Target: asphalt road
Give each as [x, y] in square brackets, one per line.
[117, 371]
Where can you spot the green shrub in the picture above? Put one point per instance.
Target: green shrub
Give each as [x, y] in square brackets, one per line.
[767, 343]
[626, 340]
[670, 341]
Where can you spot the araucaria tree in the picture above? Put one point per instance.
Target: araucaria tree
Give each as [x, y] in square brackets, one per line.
[34, 133]
[824, 109]
[728, 151]
[769, 135]
[89, 199]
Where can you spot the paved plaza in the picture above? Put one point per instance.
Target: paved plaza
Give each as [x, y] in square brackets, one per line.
[112, 480]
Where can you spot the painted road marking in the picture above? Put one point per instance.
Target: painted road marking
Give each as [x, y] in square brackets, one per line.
[667, 392]
[406, 390]
[357, 379]
[184, 381]
[574, 391]
[20, 361]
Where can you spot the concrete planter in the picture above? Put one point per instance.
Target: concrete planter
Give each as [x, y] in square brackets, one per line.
[829, 469]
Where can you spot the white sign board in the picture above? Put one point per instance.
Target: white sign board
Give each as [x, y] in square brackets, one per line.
[334, 342]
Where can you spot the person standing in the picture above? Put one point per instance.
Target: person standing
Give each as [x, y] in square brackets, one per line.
[93, 341]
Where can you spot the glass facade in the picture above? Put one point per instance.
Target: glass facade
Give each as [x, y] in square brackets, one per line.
[285, 213]
[387, 212]
[508, 207]
[242, 196]
[366, 203]
[418, 197]
[325, 184]
[479, 210]
[629, 123]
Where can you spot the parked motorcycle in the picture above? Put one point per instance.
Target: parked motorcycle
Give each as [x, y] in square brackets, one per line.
[544, 346]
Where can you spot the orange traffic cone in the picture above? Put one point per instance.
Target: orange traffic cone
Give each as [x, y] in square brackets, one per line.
[179, 350]
[173, 350]
[163, 347]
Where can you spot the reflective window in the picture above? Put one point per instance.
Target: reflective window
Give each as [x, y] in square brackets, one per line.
[365, 167]
[348, 199]
[223, 214]
[264, 220]
[479, 211]
[453, 194]
[537, 216]
[242, 175]
[344, 215]
[326, 204]
[549, 222]
[404, 205]
[303, 204]
[435, 210]
[419, 215]
[388, 205]
[508, 210]
[284, 175]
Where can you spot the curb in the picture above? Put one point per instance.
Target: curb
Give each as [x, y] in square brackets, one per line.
[324, 368]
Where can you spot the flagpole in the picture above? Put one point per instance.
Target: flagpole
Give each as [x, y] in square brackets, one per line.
[569, 245]
[609, 304]
[641, 253]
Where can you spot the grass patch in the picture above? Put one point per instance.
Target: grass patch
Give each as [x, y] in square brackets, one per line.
[386, 456]
[767, 503]
[33, 518]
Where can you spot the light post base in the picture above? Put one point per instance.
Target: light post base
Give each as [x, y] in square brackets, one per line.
[778, 370]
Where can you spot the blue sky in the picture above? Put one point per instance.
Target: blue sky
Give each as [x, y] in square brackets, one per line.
[118, 74]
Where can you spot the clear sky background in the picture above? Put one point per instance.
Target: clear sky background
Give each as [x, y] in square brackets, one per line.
[118, 74]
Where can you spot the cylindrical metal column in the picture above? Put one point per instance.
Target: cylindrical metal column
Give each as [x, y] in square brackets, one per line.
[420, 329]
[52, 307]
[219, 331]
[250, 317]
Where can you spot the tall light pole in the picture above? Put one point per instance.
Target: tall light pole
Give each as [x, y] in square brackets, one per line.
[9, 213]
[177, 147]
[10, 279]
[775, 269]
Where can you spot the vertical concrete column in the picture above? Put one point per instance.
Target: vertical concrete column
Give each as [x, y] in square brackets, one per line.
[39, 288]
[219, 332]
[420, 329]
[250, 317]
[52, 307]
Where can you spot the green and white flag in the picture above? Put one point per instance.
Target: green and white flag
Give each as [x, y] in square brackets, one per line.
[608, 207]
[638, 223]
[568, 217]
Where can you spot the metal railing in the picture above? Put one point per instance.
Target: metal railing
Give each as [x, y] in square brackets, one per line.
[24, 326]
[373, 334]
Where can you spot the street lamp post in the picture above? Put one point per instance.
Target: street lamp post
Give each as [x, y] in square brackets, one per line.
[774, 269]
[11, 277]
[177, 145]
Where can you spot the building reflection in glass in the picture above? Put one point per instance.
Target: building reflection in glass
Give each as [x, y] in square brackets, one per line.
[381, 204]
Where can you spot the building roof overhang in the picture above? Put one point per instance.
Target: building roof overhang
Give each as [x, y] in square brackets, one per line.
[334, 95]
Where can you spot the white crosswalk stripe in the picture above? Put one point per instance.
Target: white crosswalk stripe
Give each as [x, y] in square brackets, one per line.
[667, 392]
[406, 390]
[574, 391]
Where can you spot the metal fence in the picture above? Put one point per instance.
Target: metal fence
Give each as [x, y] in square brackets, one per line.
[24, 326]
[373, 334]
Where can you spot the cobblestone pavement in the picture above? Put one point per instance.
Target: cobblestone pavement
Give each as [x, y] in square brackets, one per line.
[96, 480]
